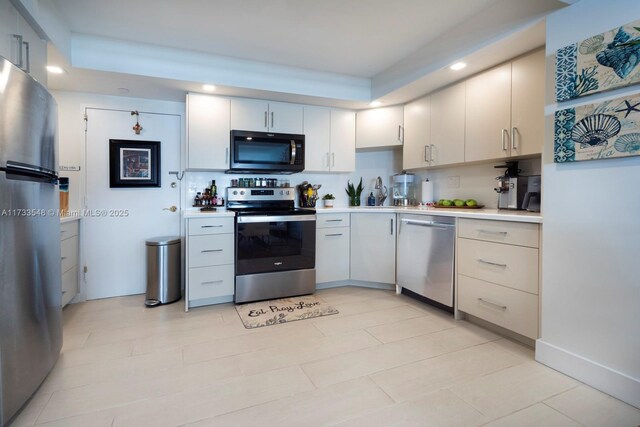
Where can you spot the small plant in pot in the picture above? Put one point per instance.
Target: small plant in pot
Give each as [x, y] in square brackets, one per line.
[354, 193]
[328, 200]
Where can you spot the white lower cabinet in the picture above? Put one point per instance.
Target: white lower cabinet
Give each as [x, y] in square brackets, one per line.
[210, 260]
[373, 247]
[69, 252]
[332, 247]
[498, 273]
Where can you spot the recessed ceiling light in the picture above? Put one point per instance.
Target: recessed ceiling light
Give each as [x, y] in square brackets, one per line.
[208, 88]
[375, 103]
[54, 69]
[458, 66]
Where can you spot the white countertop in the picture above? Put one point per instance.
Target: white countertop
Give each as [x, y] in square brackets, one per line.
[500, 215]
[496, 214]
[197, 213]
[65, 219]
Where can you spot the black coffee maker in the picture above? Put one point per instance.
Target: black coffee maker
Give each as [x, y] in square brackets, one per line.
[511, 187]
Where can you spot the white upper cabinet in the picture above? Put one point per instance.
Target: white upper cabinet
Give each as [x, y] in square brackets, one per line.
[317, 139]
[20, 44]
[505, 110]
[343, 141]
[447, 126]
[527, 104]
[208, 132]
[488, 114]
[417, 135]
[259, 115]
[329, 139]
[379, 127]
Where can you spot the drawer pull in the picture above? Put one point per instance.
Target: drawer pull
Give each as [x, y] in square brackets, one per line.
[211, 250]
[502, 233]
[497, 264]
[210, 226]
[63, 258]
[335, 234]
[500, 306]
[211, 282]
[333, 220]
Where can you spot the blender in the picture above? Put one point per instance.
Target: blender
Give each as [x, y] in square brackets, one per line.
[404, 189]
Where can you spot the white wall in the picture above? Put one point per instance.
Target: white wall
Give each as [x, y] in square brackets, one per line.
[591, 238]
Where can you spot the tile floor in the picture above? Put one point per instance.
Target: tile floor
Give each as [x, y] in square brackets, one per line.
[385, 360]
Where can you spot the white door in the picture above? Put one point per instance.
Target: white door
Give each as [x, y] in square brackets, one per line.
[379, 127]
[317, 137]
[417, 137]
[343, 141]
[249, 114]
[114, 246]
[207, 132]
[285, 117]
[373, 247]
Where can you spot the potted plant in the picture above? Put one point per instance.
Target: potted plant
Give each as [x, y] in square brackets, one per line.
[328, 200]
[354, 193]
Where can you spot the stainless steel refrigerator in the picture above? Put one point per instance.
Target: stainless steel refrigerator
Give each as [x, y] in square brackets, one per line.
[30, 289]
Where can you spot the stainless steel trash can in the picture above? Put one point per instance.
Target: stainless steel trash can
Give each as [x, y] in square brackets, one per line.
[163, 271]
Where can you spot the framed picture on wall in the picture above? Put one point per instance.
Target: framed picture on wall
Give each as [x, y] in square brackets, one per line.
[602, 62]
[134, 163]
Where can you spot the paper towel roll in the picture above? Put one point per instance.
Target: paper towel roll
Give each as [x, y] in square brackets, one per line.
[427, 192]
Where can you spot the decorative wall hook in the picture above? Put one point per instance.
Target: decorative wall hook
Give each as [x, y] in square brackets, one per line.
[136, 128]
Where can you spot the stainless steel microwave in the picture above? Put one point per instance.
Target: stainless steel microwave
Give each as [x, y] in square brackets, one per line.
[266, 152]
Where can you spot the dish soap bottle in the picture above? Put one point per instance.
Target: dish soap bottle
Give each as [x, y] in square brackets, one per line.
[371, 200]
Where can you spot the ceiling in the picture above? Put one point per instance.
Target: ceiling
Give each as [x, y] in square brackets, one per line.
[333, 52]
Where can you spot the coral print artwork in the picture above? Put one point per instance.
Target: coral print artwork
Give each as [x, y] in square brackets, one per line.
[606, 61]
[598, 131]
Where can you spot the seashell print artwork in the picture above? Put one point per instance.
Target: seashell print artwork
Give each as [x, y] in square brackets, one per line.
[602, 62]
[607, 130]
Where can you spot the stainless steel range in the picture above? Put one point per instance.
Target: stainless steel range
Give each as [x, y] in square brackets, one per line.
[275, 244]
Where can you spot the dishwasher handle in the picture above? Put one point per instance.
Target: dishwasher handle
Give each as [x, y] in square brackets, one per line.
[435, 224]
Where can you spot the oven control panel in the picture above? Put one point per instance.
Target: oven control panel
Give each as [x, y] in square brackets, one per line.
[255, 194]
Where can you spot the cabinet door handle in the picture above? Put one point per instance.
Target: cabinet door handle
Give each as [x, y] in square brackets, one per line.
[212, 282]
[210, 226]
[211, 250]
[266, 114]
[392, 226]
[505, 132]
[431, 147]
[334, 220]
[333, 159]
[331, 235]
[328, 162]
[502, 233]
[497, 264]
[500, 306]
[28, 62]
[272, 120]
[20, 63]
[63, 258]
[226, 156]
[426, 159]
[514, 131]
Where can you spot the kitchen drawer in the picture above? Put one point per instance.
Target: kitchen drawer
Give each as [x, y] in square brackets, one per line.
[509, 308]
[513, 233]
[512, 266]
[201, 226]
[332, 254]
[333, 220]
[210, 250]
[211, 282]
[69, 285]
[68, 229]
[69, 253]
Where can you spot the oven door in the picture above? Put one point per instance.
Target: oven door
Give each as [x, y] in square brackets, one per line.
[266, 152]
[267, 244]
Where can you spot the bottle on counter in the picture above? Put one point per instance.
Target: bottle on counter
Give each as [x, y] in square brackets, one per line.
[197, 201]
[213, 189]
[371, 200]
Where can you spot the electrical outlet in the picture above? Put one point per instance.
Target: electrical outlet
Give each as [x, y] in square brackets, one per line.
[453, 182]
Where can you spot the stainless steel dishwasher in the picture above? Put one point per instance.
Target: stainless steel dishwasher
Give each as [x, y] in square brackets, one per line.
[425, 256]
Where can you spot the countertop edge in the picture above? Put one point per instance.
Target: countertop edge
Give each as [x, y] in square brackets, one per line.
[493, 214]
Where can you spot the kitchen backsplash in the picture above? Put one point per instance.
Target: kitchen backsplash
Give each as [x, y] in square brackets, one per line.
[474, 181]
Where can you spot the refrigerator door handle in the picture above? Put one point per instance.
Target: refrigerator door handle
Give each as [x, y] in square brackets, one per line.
[26, 172]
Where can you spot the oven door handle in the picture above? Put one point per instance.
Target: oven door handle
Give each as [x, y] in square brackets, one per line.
[250, 219]
[293, 152]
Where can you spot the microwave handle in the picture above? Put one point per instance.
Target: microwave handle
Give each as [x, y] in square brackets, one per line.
[293, 152]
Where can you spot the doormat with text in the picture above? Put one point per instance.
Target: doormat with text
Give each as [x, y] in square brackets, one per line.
[266, 313]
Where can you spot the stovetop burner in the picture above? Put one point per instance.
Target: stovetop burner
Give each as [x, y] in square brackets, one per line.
[264, 201]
